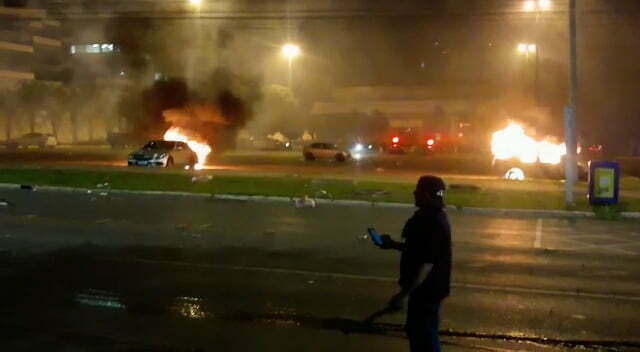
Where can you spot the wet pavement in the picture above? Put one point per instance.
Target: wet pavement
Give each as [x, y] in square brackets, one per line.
[161, 273]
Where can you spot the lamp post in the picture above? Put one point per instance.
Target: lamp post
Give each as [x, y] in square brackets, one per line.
[290, 52]
[526, 50]
[537, 7]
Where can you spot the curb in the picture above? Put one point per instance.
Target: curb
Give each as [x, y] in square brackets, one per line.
[538, 213]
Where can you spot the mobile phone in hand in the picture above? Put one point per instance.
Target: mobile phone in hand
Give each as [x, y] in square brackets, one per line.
[375, 236]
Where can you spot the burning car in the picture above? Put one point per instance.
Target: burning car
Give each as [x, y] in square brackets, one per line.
[517, 155]
[164, 154]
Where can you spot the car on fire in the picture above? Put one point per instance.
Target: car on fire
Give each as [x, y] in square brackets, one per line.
[325, 151]
[163, 154]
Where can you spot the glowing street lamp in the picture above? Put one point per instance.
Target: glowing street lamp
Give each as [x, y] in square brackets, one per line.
[527, 48]
[544, 5]
[536, 5]
[529, 6]
[195, 3]
[290, 51]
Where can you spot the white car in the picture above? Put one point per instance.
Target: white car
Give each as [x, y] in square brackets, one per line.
[33, 140]
[163, 154]
[325, 151]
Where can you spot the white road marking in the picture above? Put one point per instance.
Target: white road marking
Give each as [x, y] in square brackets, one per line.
[538, 242]
[375, 278]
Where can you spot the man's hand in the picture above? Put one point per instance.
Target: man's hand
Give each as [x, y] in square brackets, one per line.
[397, 301]
[387, 242]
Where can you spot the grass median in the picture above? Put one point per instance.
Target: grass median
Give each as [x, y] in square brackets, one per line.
[461, 195]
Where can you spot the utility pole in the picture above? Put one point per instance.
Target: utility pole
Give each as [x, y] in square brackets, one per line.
[570, 168]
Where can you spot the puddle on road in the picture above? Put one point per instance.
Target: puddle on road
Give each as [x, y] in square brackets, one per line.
[100, 298]
[190, 307]
[195, 308]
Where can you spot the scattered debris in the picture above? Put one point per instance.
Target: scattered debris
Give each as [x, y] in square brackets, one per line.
[304, 202]
[379, 169]
[578, 316]
[202, 178]
[311, 282]
[205, 226]
[103, 185]
[5, 203]
[323, 194]
[371, 193]
[317, 181]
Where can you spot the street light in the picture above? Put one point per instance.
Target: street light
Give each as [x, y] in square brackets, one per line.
[290, 51]
[544, 5]
[529, 6]
[527, 49]
[537, 5]
[195, 3]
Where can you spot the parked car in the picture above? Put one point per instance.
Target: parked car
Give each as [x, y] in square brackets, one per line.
[163, 154]
[33, 139]
[325, 151]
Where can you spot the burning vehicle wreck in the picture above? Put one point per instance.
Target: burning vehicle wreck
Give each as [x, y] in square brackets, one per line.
[165, 153]
[517, 156]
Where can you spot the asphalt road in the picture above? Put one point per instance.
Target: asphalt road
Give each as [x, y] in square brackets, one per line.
[166, 273]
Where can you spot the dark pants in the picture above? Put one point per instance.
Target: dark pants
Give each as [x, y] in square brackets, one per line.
[423, 320]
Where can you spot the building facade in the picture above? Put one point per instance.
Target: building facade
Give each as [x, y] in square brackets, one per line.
[31, 47]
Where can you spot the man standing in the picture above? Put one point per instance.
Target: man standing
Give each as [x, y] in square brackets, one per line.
[425, 265]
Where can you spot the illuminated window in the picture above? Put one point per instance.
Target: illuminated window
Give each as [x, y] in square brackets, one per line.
[93, 48]
[106, 48]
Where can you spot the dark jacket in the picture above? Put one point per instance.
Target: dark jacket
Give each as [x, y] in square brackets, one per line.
[427, 237]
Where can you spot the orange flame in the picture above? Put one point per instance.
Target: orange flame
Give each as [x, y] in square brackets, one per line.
[201, 149]
[512, 142]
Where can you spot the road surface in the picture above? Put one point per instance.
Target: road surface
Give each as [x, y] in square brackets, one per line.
[167, 273]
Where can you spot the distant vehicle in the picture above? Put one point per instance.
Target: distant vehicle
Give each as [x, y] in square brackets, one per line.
[362, 149]
[33, 139]
[325, 151]
[163, 154]
[411, 143]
